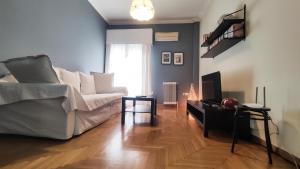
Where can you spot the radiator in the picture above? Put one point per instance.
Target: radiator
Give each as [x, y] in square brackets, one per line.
[170, 92]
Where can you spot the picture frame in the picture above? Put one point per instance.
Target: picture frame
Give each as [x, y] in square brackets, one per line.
[166, 58]
[178, 58]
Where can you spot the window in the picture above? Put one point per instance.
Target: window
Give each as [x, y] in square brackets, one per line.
[131, 65]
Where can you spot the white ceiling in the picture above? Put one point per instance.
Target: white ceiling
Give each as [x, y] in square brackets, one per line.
[166, 11]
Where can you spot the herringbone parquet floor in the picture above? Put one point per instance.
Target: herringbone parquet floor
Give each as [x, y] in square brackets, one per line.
[175, 143]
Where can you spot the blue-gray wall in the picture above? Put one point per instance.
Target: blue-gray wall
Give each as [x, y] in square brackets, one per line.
[188, 43]
[71, 32]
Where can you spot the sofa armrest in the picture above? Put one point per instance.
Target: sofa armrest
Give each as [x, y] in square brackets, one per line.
[120, 90]
[16, 92]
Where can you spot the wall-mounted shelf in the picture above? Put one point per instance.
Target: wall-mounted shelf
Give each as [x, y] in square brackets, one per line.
[219, 31]
[220, 34]
[223, 45]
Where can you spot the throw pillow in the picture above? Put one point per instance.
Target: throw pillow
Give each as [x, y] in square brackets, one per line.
[70, 78]
[87, 84]
[32, 69]
[103, 82]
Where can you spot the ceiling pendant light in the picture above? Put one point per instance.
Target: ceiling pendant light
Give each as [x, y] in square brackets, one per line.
[142, 10]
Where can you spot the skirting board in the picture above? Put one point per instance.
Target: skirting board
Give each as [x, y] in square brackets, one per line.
[284, 154]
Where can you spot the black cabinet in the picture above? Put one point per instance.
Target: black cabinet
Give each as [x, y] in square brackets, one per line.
[217, 118]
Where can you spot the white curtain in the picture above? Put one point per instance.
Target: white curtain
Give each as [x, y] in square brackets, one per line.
[131, 65]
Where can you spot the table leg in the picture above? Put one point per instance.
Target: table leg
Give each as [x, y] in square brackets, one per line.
[133, 112]
[155, 106]
[267, 136]
[235, 131]
[152, 111]
[187, 109]
[205, 132]
[205, 125]
[123, 111]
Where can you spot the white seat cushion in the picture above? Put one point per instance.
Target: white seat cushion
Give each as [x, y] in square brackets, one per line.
[95, 101]
[87, 84]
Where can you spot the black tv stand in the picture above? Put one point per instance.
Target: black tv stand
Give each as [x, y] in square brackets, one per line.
[210, 103]
[215, 117]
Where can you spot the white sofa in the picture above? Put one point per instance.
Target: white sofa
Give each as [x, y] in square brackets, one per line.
[58, 111]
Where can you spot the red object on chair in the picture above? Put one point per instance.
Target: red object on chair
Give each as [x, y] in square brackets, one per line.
[230, 102]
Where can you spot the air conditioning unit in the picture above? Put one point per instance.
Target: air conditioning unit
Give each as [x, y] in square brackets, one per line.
[166, 36]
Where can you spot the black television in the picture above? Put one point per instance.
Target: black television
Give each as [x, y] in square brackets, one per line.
[211, 88]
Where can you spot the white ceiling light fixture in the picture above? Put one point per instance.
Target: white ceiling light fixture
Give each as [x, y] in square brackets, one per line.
[142, 10]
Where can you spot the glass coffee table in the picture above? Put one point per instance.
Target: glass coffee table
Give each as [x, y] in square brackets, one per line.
[139, 108]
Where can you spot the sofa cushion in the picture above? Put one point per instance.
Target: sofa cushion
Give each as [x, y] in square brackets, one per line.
[8, 79]
[3, 70]
[87, 84]
[103, 82]
[32, 69]
[58, 73]
[70, 78]
[5, 75]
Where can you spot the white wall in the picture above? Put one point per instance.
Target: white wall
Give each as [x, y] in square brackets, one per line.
[269, 57]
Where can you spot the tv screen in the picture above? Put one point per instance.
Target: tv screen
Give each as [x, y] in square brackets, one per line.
[211, 88]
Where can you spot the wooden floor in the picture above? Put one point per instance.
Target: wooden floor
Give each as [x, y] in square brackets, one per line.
[175, 143]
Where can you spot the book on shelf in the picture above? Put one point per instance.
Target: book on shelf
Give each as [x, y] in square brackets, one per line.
[235, 31]
[214, 43]
[206, 36]
[221, 38]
